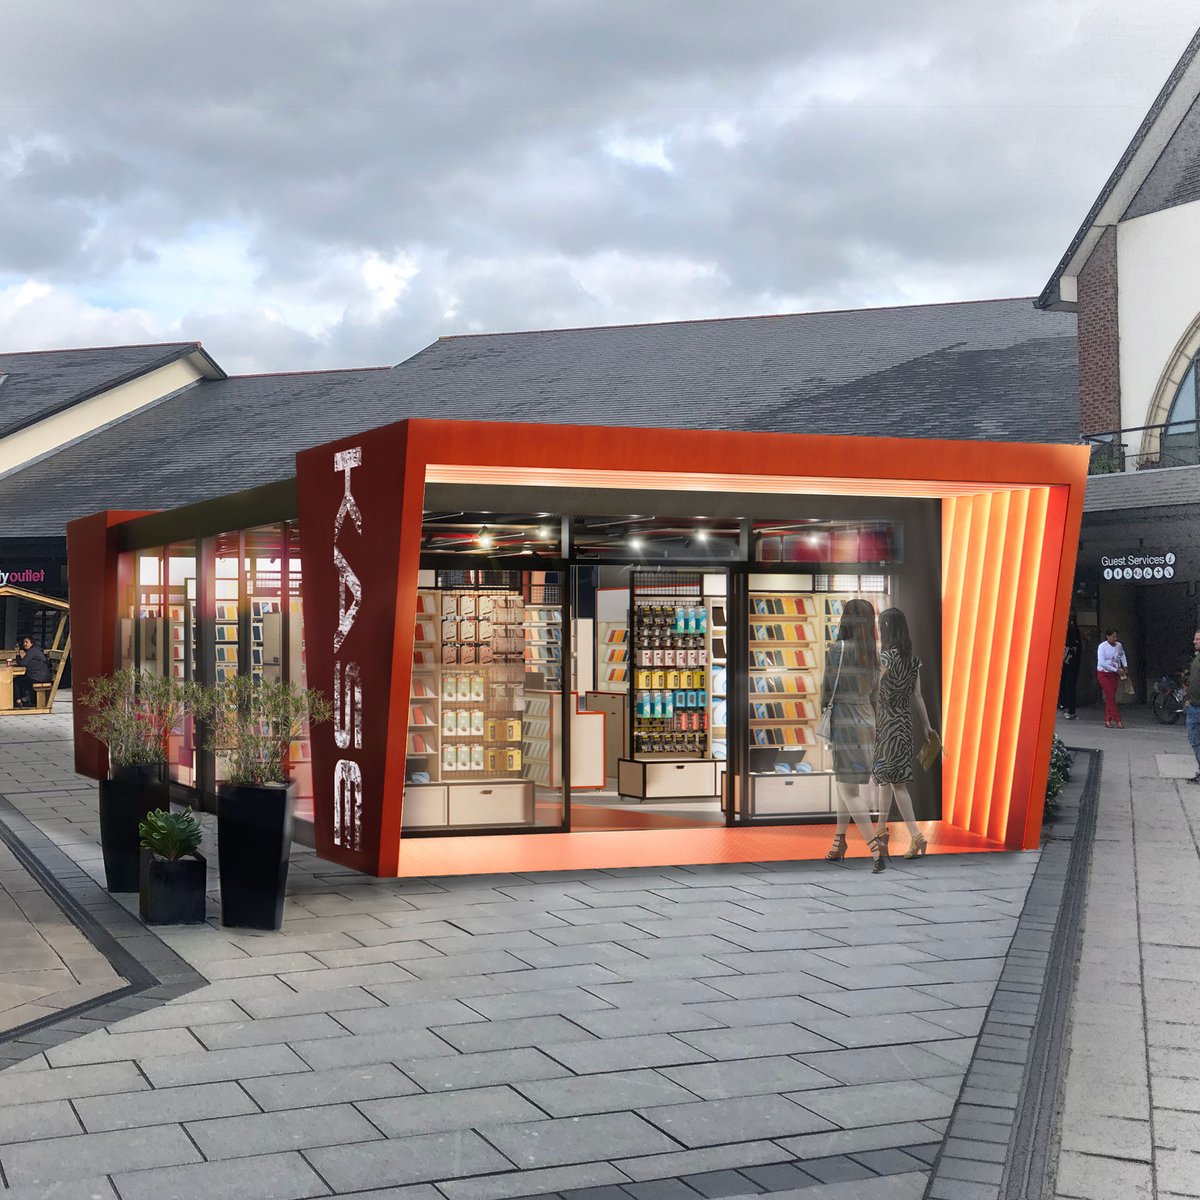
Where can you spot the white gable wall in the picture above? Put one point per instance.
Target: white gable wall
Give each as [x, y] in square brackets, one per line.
[1158, 299]
[43, 437]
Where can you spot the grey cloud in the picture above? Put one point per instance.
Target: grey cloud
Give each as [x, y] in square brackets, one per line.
[950, 141]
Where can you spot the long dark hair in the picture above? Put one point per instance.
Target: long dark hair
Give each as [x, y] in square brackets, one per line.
[857, 630]
[893, 632]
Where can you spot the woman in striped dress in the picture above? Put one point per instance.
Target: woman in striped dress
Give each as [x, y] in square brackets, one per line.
[899, 689]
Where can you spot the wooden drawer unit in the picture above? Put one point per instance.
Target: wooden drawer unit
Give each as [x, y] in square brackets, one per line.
[667, 779]
[499, 803]
[789, 795]
[424, 806]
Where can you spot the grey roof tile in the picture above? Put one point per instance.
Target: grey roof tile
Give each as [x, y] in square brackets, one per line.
[997, 369]
[39, 383]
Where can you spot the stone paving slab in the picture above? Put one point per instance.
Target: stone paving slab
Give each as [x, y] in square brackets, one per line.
[668, 1030]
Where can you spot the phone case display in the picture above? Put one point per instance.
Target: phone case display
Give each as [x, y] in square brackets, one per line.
[786, 660]
[718, 688]
[182, 639]
[537, 737]
[543, 642]
[670, 693]
[543, 742]
[226, 635]
[614, 656]
[266, 639]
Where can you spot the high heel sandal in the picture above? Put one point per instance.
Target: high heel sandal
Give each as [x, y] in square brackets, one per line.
[838, 850]
[881, 836]
[878, 856]
[918, 847]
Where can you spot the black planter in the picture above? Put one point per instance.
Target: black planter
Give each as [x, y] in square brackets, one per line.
[125, 799]
[172, 890]
[254, 837]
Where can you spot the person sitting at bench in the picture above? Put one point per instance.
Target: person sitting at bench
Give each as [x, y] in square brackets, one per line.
[37, 670]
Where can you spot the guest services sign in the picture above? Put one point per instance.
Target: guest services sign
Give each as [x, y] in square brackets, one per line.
[1144, 568]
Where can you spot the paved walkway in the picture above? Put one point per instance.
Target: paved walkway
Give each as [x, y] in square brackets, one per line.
[1131, 1120]
[678, 1032]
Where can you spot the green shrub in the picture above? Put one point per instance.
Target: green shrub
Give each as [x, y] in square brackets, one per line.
[1061, 759]
[169, 834]
[134, 713]
[252, 724]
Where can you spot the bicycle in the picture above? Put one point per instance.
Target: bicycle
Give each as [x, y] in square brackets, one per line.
[1168, 698]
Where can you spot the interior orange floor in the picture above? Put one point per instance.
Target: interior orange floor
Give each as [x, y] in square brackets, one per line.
[653, 848]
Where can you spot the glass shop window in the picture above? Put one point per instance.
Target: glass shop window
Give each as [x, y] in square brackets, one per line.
[484, 743]
[181, 644]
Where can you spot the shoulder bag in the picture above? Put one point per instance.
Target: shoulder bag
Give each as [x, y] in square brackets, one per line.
[824, 726]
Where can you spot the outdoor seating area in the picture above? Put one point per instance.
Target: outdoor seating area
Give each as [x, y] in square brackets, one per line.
[12, 674]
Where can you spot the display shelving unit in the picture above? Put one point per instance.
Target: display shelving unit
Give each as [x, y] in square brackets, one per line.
[788, 634]
[668, 755]
[465, 751]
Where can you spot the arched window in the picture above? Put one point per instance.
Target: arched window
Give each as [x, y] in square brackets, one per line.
[1178, 443]
[1171, 435]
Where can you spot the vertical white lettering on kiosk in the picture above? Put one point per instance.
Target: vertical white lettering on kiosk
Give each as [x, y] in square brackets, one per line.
[347, 678]
[347, 707]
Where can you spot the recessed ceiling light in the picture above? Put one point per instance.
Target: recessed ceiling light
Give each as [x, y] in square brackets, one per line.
[701, 535]
[636, 543]
[544, 532]
[485, 539]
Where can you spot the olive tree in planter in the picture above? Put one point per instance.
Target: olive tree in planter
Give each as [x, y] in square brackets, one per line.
[133, 714]
[173, 871]
[252, 724]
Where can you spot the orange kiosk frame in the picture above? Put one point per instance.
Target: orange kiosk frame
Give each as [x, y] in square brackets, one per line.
[1011, 517]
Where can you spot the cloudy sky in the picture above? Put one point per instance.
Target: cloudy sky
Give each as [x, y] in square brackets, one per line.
[322, 183]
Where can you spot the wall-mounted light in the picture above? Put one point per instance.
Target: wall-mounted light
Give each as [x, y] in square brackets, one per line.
[544, 532]
[636, 543]
[485, 539]
[701, 535]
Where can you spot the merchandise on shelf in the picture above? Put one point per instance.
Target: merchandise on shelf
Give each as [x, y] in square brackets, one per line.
[670, 677]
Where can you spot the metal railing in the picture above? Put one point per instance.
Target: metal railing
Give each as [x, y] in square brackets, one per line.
[1145, 447]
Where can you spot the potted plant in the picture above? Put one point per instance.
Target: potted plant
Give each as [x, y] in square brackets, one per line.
[251, 726]
[133, 714]
[173, 871]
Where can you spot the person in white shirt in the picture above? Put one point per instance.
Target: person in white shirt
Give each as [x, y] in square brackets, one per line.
[1111, 668]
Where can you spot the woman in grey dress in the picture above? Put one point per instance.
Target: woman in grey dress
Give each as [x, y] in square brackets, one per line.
[849, 684]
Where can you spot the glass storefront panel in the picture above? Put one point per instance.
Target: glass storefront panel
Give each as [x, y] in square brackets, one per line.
[485, 710]
[182, 640]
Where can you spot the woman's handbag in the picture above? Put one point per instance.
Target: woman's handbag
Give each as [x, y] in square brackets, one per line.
[1130, 690]
[824, 726]
[928, 753]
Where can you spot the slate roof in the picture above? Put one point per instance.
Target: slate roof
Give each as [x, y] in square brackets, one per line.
[995, 369]
[40, 383]
[1160, 487]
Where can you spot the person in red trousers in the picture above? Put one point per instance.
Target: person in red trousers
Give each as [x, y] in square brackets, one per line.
[1111, 668]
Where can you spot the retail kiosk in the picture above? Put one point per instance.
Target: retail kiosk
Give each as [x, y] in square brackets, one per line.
[586, 632]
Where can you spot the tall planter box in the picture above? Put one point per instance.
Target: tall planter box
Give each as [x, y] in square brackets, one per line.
[172, 890]
[254, 838]
[125, 799]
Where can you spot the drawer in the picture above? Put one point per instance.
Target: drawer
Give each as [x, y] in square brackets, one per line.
[789, 795]
[424, 806]
[648, 779]
[482, 803]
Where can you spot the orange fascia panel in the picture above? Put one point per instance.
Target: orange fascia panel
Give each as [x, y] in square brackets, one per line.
[1011, 516]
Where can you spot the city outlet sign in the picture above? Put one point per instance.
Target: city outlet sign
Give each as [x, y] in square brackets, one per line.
[1148, 568]
[24, 575]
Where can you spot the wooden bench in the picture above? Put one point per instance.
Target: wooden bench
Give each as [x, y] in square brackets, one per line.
[41, 694]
